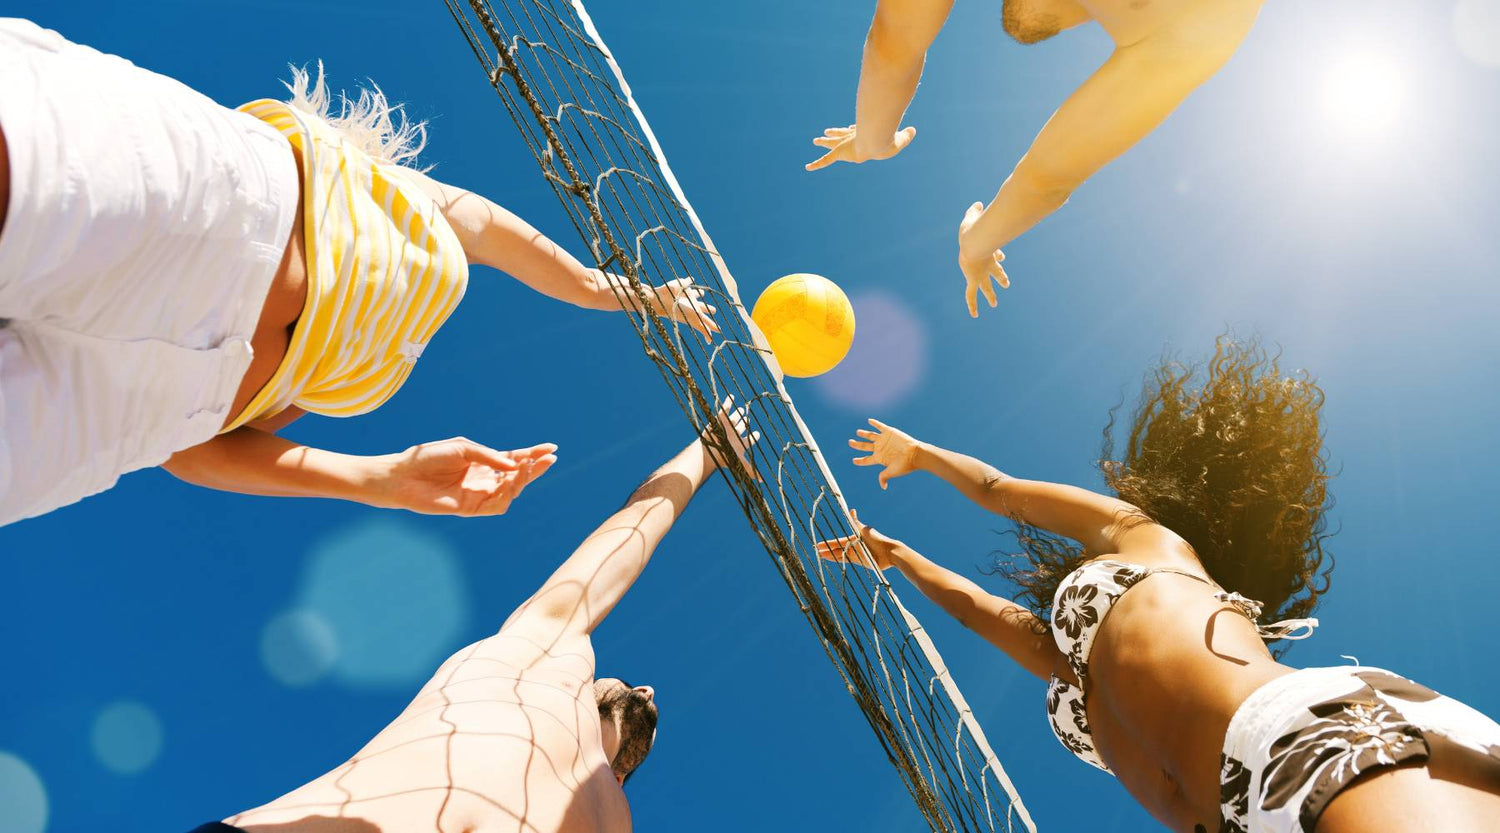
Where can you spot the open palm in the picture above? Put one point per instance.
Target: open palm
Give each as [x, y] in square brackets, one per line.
[847, 549]
[839, 144]
[890, 447]
[461, 477]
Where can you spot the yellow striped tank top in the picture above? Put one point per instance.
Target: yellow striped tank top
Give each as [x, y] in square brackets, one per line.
[384, 272]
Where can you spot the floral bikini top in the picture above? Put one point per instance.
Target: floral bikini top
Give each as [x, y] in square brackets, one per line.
[1082, 601]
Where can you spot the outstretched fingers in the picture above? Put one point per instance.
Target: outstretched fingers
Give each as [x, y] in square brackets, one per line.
[998, 273]
[508, 485]
[680, 300]
[742, 437]
[838, 141]
[825, 160]
[984, 284]
[849, 549]
[838, 550]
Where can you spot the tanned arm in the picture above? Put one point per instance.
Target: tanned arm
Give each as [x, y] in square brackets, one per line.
[1003, 623]
[1127, 98]
[450, 477]
[1102, 524]
[493, 236]
[895, 52]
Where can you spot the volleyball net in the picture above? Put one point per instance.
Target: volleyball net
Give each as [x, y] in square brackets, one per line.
[569, 100]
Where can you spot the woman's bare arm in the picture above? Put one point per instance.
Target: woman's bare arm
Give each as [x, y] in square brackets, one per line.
[493, 236]
[1002, 622]
[452, 477]
[251, 461]
[1102, 524]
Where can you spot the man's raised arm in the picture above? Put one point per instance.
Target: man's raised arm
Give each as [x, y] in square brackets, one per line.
[895, 52]
[1127, 98]
[595, 577]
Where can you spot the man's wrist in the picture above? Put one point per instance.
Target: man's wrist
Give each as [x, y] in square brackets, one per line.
[969, 247]
[710, 459]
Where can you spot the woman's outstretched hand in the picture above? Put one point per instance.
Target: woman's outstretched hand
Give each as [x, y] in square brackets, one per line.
[841, 146]
[846, 549]
[679, 300]
[890, 447]
[979, 267]
[675, 300]
[459, 477]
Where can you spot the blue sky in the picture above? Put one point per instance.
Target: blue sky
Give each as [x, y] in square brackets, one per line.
[156, 673]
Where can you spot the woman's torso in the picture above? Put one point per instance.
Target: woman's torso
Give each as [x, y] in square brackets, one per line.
[370, 272]
[1169, 666]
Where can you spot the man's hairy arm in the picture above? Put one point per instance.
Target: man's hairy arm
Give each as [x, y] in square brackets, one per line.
[894, 54]
[895, 51]
[1127, 98]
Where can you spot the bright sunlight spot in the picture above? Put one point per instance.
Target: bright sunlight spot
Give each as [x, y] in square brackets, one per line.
[1362, 95]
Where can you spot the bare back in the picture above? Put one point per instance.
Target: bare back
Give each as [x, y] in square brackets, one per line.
[505, 738]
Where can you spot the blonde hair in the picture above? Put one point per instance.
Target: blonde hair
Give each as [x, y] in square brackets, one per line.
[369, 122]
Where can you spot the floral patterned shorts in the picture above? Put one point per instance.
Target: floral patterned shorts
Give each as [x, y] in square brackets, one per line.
[1301, 738]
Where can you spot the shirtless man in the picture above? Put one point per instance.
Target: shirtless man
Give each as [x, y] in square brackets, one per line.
[514, 733]
[1164, 49]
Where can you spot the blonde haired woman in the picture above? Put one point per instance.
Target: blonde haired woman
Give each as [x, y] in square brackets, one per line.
[179, 280]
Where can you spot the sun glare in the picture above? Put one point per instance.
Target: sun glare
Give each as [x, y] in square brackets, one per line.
[1476, 25]
[1362, 95]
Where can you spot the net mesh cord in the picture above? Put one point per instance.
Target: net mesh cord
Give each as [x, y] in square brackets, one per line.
[569, 100]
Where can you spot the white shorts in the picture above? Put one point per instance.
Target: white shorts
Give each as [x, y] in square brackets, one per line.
[145, 226]
[1300, 739]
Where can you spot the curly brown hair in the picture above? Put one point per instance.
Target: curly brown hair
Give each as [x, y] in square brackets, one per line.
[1235, 465]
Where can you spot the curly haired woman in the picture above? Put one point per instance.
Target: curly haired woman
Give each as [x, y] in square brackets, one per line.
[178, 281]
[1158, 615]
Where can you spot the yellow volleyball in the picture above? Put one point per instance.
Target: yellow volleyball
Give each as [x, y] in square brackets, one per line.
[808, 321]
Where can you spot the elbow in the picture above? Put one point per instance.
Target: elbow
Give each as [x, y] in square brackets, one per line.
[996, 488]
[963, 607]
[994, 481]
[558, 602]
[189, 466]
[1047, 184]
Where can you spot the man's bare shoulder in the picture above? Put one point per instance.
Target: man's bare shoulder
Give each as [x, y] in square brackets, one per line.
[518, 652]
[1131, 21]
